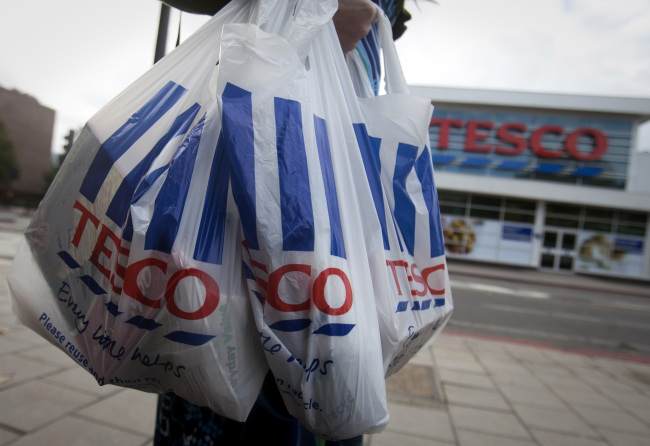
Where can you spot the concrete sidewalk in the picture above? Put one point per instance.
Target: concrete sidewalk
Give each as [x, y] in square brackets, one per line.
[465, 390]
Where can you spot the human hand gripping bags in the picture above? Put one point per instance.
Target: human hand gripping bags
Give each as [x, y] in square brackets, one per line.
[213, 221]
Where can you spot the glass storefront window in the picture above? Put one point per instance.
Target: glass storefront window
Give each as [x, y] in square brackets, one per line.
[550, 239]
[520, 204]
[598, 214]
[488, 227]
[452, 210]
[484, 200]
[547, 260]
[562, 222]
[484, 213]
[566, 263]
[519, 218]
[597, 226]
[452, 197]
[562, 209]
[632, 217]
[630, 230]
[569, 242]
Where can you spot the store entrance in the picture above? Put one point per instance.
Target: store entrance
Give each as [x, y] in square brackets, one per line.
[559, 249]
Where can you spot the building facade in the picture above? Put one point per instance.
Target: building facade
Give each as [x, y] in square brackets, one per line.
[30, 126]
[542, 180]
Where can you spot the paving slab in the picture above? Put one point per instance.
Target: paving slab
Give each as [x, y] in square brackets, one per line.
[490, 349]
[421, 422]
[616, 420]
[79, 379]
[469, 438]
[14, 370]
[461, 365]
[34, 404]
[471, 380]
[624, 439]
[485, 399]
[416, 381]
[11, 345]
[509, 366]
[524, 352]
[423, 357]
[589, 399]
[637, 399]
[49, 354]
[531, 396]
[388, 438]
[481, 420]
[71, 431]
[129, 409]
[23, 334]
[560, 383]
[6, 437]
[504, 378]
[554, 420]
[570, 359]
[554, 439]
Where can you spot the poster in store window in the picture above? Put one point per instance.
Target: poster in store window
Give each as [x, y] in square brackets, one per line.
[610, 254]
[490, 240]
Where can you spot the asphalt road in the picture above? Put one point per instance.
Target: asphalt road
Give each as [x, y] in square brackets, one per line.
[570, 319]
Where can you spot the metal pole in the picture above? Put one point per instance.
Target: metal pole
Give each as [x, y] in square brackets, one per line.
[161, 42]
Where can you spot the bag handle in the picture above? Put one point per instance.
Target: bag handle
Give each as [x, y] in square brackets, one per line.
[393, 74]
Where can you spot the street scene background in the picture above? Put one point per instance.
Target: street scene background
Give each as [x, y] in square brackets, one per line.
[528, 358]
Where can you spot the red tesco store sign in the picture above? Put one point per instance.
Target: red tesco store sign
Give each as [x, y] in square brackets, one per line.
[512, 133]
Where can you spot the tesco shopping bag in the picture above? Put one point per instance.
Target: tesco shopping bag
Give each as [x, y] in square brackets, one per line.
[408, 260]
[332, 206]
[132, 264]
[289, 140]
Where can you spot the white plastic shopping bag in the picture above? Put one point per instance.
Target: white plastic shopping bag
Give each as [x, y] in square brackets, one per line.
[288, 137]
[132, 264]
[408, 262]
[236, 209]
[342, 296]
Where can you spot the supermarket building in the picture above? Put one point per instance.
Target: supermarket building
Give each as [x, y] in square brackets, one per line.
[545, 181]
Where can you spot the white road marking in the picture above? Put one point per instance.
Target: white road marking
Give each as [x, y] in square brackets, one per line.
[485, 288]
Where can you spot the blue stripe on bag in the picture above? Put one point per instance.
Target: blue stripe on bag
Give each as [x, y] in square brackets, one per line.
[185, 337]
[372, 165]
[170, 202]
[212, 229]
[119, 206]
[295, 192]
[238, 134]
[424, 171]
[404, 207]
[336, 231]
[122, 140]
[127, 232]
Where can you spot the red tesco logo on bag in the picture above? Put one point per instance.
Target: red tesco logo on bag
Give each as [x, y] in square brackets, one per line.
[317, 296]
[210, 303]
[477, 132]
[108, 244]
